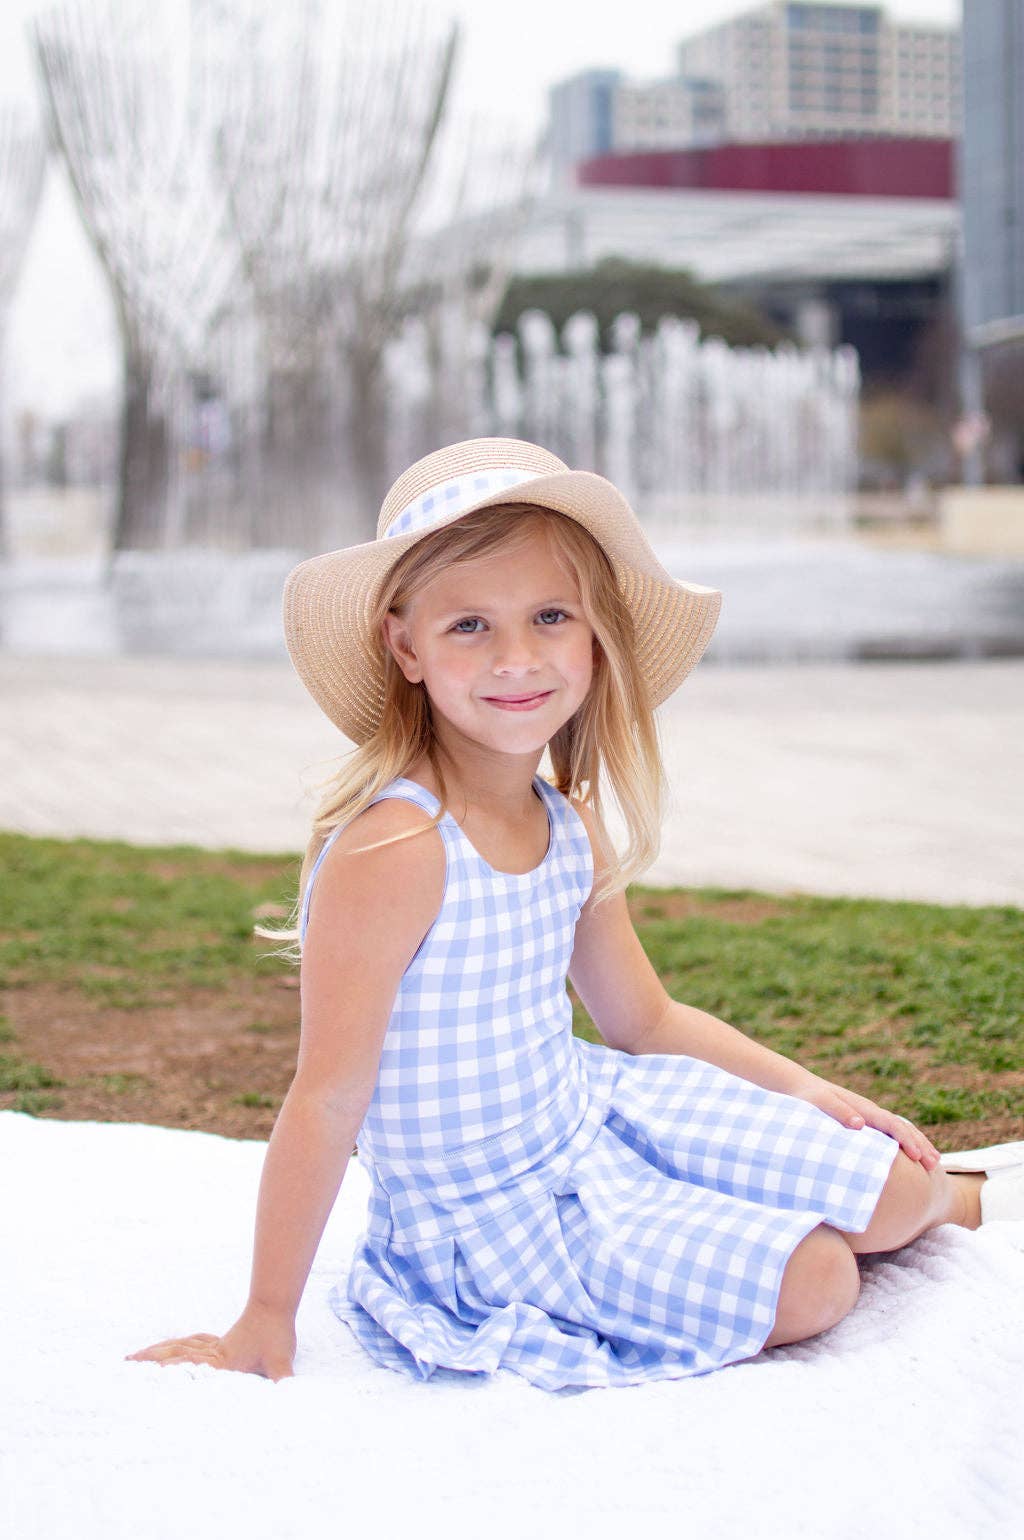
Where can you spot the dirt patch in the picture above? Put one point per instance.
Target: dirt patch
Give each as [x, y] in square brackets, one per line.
[208, 1061]
[223, 1061]
[251, 869]
[682, 906]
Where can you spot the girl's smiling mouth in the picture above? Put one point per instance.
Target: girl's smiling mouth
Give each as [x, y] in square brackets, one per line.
[519, 702]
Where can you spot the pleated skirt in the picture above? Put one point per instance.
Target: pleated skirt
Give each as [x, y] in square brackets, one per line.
[648, 1243]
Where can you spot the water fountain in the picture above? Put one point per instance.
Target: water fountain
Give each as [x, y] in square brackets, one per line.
[740, 462]
[703, 438]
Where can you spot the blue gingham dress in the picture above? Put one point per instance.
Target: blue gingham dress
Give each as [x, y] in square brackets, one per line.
[572, 1213]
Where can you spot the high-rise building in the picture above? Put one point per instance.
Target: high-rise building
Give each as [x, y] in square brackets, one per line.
[791, 69]
[920, 72]
[580, 116]
[992, 171]
[664, 114]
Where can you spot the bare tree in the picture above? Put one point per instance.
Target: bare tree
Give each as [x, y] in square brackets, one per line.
[135, 98]
[255, 183]
[322, 186]
[485, 181]
[22, 167]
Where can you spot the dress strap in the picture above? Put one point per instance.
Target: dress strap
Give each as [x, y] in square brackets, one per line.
[409, 791]
[304, 912]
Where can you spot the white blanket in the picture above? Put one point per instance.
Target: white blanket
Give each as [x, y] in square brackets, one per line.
[906, 1420]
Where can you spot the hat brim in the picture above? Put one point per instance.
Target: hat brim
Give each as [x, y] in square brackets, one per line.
[329, 601]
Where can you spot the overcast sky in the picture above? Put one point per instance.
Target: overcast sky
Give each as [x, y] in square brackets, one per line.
[60, 343]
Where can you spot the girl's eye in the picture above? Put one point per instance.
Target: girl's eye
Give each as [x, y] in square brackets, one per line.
[468, 626]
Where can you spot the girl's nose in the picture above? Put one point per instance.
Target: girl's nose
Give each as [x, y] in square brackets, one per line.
[515, 655]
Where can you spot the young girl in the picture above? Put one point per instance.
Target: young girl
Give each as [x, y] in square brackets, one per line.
[658, 1206]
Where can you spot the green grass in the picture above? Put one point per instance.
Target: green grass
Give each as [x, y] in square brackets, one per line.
[878, 974]
[20, 1075]
[905, 1000]
[35, 1102]
[122, 1081]
[132, 925]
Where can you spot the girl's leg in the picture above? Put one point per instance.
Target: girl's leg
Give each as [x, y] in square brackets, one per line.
[820, 1286]
[821, 1282]
[914, 1200]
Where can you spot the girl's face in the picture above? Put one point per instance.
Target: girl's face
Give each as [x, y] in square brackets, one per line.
[501, 645]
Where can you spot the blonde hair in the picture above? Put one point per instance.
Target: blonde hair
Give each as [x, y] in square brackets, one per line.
[613, 732]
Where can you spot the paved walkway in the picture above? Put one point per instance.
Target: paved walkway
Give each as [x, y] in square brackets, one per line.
[895, 780]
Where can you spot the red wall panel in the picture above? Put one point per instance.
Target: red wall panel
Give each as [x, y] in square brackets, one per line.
[876, 168]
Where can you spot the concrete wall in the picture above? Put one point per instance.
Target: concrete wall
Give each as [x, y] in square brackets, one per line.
[982, 521]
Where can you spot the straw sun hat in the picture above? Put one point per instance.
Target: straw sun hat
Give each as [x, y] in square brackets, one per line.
[328, 600]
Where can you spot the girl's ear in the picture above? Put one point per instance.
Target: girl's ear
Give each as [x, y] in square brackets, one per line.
[399, 642]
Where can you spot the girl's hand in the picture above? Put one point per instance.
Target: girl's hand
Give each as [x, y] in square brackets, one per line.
[260, 1342]
[856, 1111]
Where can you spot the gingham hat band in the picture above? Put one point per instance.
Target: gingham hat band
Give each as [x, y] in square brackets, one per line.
[450, 498]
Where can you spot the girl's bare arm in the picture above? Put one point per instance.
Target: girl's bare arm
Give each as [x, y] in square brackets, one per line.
[633, 1011]
[369, 912]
